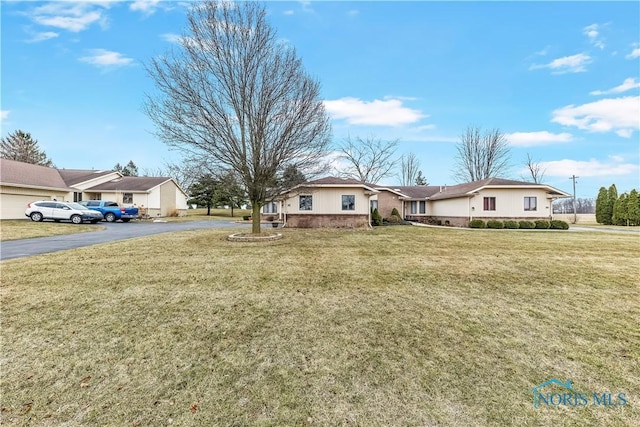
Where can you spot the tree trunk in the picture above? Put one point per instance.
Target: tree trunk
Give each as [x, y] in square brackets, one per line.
[255, 217]
[231, 210]
[208, 209]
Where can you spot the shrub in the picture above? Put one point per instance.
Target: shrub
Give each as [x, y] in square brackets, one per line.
[495, 224]
[527, 224]
[394, 219]
[542, 224]
[511, 224]
[558, 225]
[394, 212]
[246, 217]
[376, 218]
[477, 223]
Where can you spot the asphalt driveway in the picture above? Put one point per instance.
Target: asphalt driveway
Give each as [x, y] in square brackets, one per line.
[113, 231]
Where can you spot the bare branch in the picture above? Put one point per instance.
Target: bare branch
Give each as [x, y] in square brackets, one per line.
[370, 159]
[409, 169]
[535, 169]
[481, 155]
[237, 98]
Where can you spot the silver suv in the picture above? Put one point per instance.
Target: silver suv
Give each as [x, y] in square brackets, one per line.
[59, 211]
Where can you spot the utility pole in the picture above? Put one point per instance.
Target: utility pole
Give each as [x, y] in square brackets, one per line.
[575, 215]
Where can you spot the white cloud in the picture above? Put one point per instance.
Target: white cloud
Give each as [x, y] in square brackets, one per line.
[105, 58]
[628, 84]
[4, 114]
[566, 64]
[171, 37]
[70, 16]
[377, 112]
[40, 37]
[619, 115]
[529, 139]
[592, 32]
[288, 12]
[635, 53]
[353, 12]
[147, 7]
[588, 168]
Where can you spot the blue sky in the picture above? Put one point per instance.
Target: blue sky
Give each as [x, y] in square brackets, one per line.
[561, 80]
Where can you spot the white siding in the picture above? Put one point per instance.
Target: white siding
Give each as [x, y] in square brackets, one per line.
[449, 207]
[329, 201]
[510, 203]
[14, 200]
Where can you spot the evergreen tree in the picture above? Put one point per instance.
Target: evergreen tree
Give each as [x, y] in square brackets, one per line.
[203, 192]
[291, 177]
[230, 192]
[20, 146]
[601, 205]
[420, 179]
[633, 207]
[612, 196]
[129, 170]
[620, 212]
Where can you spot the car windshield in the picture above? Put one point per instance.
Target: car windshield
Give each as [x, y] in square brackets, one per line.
[77, 206]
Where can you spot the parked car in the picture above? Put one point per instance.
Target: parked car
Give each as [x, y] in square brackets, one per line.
[111, 210]
[59, 211]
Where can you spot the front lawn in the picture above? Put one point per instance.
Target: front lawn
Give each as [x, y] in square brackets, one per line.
[395, 326]
[26, 229]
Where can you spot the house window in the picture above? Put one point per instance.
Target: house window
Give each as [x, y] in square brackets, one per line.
[77, 197]
[489, 203]
[306, 203]
[418, 207]
[530, 203]
[349, 203]
[127, 198]
[374, 205]
[270, 207]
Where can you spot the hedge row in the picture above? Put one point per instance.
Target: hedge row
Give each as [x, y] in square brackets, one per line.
[541, 224]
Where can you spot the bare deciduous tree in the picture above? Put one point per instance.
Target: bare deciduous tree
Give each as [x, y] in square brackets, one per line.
[536, 169]
[409, 169]
[481, 155]
[236, 97]
[370, 159]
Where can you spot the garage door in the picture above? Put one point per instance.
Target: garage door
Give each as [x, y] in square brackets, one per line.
[12, 206]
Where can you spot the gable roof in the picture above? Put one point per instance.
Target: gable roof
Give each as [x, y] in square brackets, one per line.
[467, 189]
[335, 182]
[412, 192]
[132, 183]
[23, 174]
[20, 174]
[77, 176]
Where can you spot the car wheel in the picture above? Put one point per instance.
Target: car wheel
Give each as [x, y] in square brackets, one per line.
[110, 217]
[36, 216]
[125, 219]
[76, 219]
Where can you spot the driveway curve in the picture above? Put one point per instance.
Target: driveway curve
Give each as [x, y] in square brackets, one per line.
[113, 231]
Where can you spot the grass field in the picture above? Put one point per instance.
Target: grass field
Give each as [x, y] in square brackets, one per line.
[25, 229]
[395, 326]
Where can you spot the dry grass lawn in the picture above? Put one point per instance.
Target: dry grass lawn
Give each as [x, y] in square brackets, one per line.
[396, 326]
[26, 229]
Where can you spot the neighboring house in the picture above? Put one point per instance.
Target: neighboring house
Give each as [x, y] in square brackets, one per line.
[22, 183]
[492, 198]
[326, 202]
[156, 196]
